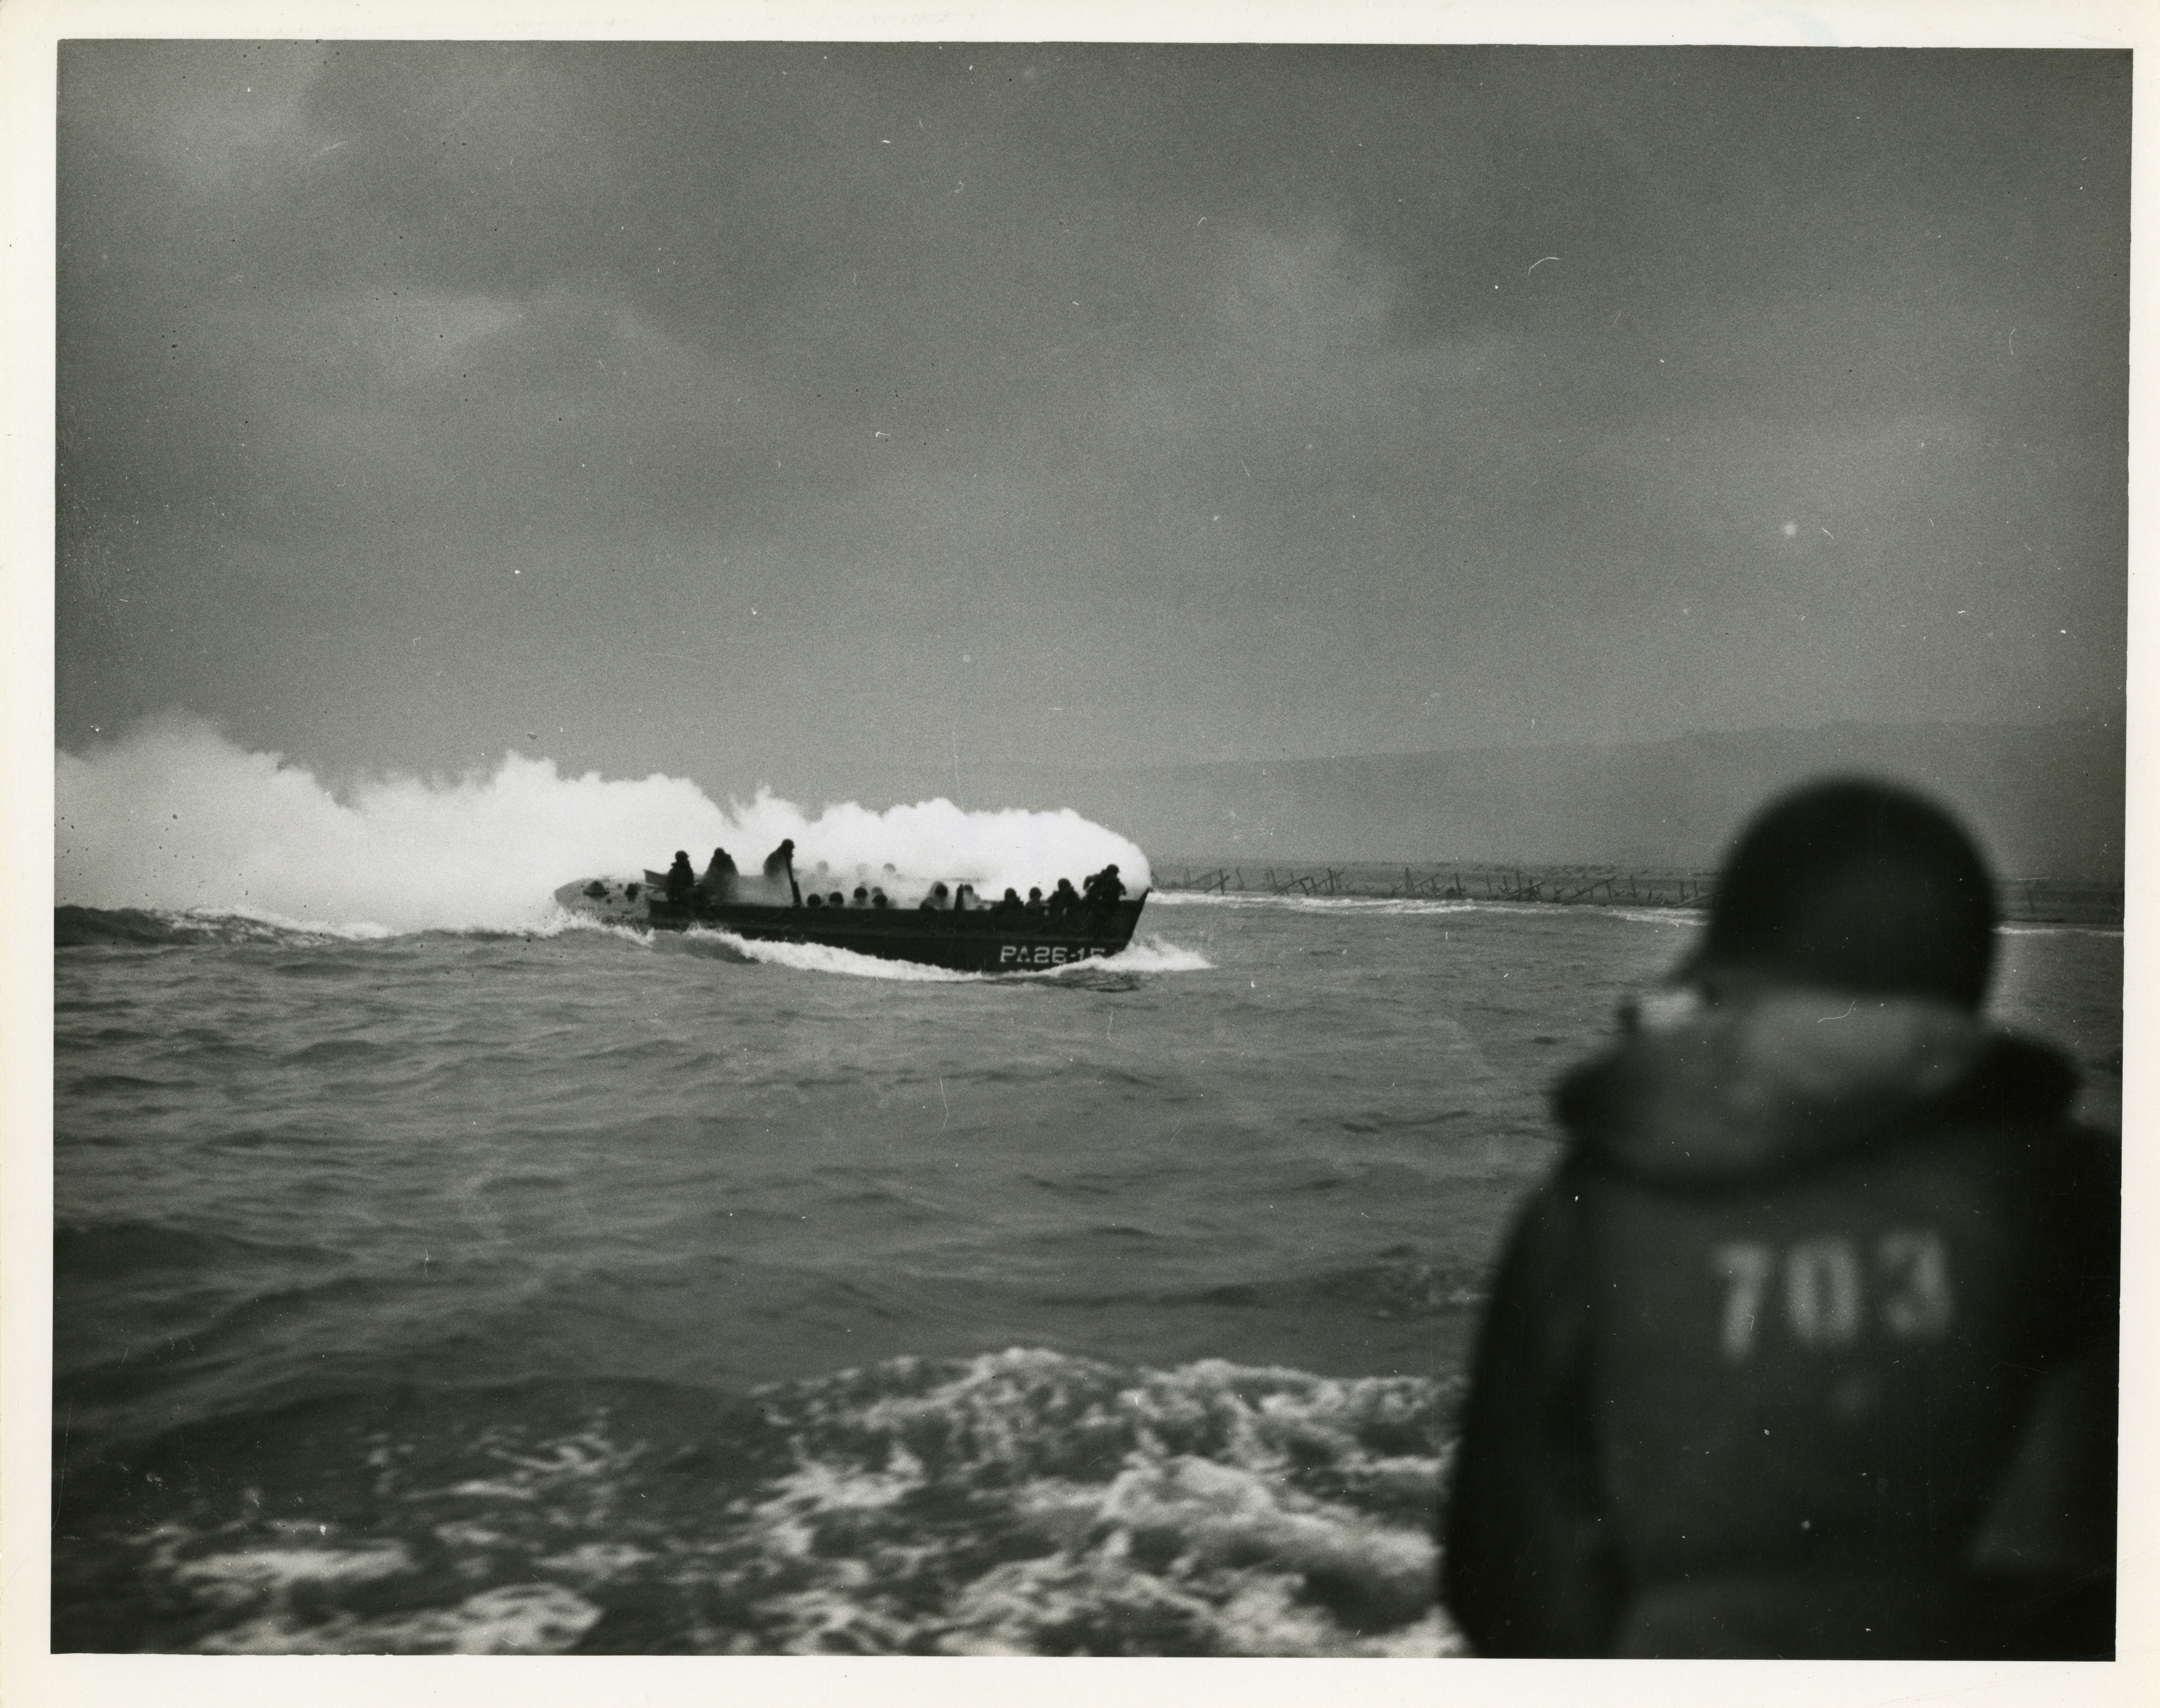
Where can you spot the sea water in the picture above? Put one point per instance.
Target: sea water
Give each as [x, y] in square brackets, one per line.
[571, 1290]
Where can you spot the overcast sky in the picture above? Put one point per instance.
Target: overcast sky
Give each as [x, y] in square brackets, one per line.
[780, 412]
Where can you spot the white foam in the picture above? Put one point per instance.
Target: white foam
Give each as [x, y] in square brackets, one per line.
[246, 1573]
[1240, 1545]
[560, 920]
[536, 1619]
[1153, 956]
[823, 958]
[357, 931]
[1211, 1507]
[1685, 918]
[174, 815]
[593, 1561]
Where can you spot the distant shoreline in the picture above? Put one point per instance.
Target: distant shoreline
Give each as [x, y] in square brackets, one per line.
[2021, 901]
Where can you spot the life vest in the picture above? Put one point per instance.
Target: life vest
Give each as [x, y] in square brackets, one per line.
[1808, 1267]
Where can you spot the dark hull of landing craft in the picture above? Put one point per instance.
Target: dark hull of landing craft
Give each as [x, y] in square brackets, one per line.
[981, 941]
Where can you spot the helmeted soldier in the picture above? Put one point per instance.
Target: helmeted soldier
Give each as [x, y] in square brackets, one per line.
[1808, 1346]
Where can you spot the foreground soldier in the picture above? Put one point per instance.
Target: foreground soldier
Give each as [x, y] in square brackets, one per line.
[1807, 1348]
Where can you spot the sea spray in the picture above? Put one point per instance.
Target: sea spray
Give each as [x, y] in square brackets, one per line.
[175, 816]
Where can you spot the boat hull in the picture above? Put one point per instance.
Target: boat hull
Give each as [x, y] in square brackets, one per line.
[980, 941]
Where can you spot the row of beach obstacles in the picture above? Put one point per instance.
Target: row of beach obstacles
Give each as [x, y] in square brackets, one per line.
[2020, 900]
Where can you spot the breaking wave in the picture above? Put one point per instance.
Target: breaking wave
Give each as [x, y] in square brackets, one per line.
[82, 928]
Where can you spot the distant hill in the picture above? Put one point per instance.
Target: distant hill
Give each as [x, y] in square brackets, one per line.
[2046, 799]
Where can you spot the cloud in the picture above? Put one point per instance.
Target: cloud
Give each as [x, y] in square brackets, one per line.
[1044, 352]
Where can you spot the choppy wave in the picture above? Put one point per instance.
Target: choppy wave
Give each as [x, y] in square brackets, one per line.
[1395, 1284]
[132, 1247]
[147, 927]
[75, 928]
[387, 1281]
[1021, 1503]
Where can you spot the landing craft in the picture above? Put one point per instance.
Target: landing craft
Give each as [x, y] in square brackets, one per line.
[980, 940]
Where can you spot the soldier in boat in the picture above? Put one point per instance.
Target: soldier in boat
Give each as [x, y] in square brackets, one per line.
[780, 864]
[680, 879]
[718, 881]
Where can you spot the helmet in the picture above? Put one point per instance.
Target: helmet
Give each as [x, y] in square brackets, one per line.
[1856, 885]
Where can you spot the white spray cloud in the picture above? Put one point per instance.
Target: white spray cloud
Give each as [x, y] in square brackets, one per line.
[174, 816]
